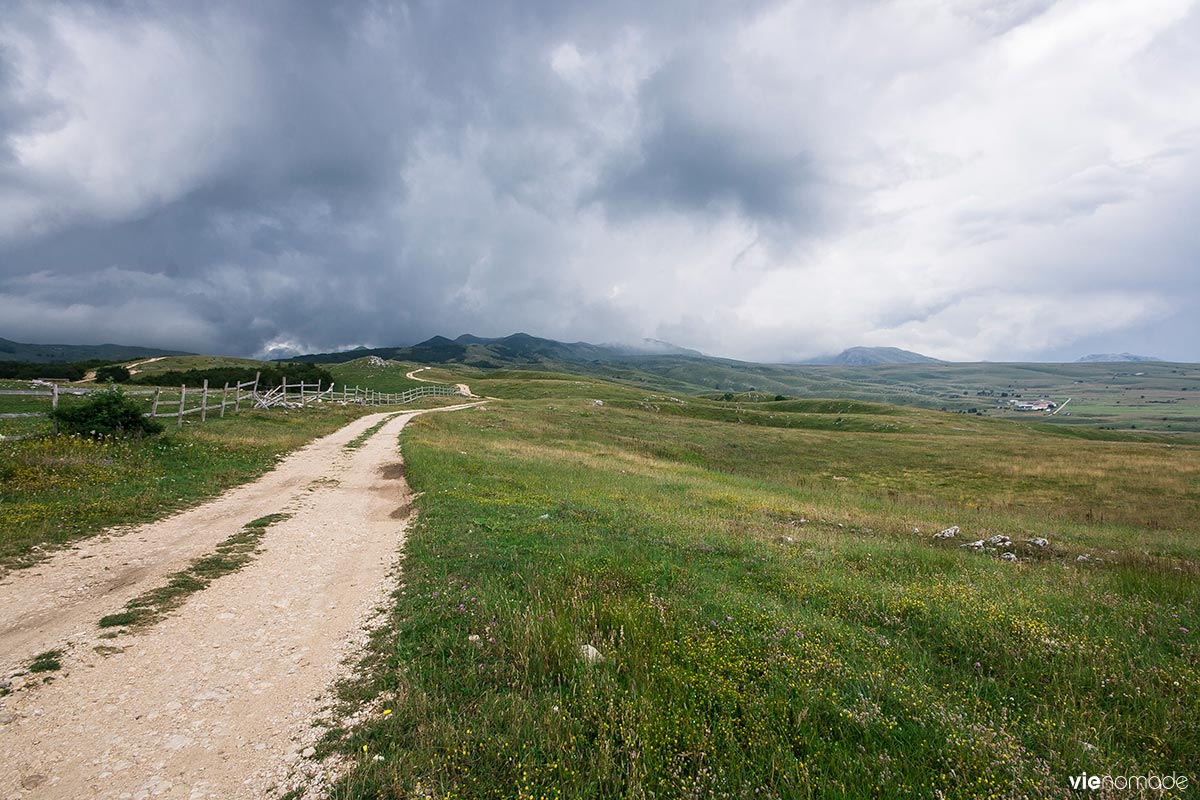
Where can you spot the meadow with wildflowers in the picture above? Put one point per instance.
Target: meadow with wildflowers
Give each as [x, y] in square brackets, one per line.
[57, 489]
[769, 611]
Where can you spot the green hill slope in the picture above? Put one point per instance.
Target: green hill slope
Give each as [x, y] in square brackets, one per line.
[56, 353]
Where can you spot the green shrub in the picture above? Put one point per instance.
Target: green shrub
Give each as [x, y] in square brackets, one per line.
[109, 412]
[115, 373]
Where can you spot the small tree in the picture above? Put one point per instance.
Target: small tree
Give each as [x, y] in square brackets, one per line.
[109, 412]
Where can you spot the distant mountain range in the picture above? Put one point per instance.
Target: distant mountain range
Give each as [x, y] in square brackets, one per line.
[874, 356]
[519, 349]
[64, 353]
[523, 349]
[1115, 357]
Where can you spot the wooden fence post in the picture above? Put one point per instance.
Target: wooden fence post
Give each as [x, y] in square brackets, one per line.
[285, 390]
[204, 403]
[182, 400]
[224, 394]
[54, 404]
[154, 405]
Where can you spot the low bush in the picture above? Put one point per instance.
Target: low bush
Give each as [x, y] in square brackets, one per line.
[115, 373]
[109, 412]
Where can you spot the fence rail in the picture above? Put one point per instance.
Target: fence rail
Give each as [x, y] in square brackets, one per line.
[213, 400]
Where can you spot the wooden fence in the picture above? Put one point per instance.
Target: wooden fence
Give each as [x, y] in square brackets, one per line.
[211, 400]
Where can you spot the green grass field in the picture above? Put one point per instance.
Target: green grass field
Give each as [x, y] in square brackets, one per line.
[770, 622]
[388, 378]
[184, 363]
[759, 579]
[1162, 397]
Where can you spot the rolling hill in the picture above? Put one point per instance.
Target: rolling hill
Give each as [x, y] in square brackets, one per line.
[875, 356]
[64, 353]
[1158, 396]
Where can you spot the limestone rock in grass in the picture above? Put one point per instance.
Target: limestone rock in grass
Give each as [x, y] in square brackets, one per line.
[1038, 541]
[1008, 556]
[590, 654]
[976, 545]
[597, 402]
[999, 540]
[308, 752]
[1084, 557]
[949, 533]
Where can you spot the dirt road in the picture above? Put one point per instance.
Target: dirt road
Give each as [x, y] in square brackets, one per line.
[462, 388]
[217, 700]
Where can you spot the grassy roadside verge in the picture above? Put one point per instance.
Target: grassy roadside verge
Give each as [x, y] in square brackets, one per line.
[766, 631]
[56, 490]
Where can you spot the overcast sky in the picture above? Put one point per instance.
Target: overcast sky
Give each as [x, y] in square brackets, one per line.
[1004, 180]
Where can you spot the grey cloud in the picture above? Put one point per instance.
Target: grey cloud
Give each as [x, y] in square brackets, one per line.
[756, 179]
[692, 154]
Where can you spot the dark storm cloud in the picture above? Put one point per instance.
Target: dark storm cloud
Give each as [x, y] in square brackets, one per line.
[694, 156]
[763, 179]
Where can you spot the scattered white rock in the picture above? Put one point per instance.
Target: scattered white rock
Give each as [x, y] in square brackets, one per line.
[916, 530]
[177, 741]
[597, 402]
[977, 544]
[474, 637]
[787, 540]
[1084, 557]
[999, 540]
[308, 752]
[1038, 541]
[949, 533]
[590, 654]
[544, 516]
[1008, 556]
[374, 361]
